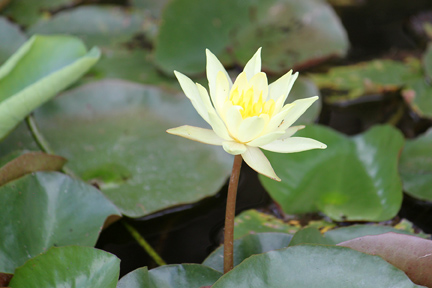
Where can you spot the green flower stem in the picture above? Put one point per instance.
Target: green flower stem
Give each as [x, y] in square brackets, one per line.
[43, 143]
[143, 243]
[230, 215]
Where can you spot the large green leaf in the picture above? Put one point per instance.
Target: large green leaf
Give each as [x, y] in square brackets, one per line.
[378, 76]
[417, 94]
[27, 12]
[292, 33]
[95, 25]
[40, 69]
[170, 276]
[15, 38]
[415, 166]
[353, 179]
[46, 209]
[113, 133]
[410, 254]
[69, 267]
[247, 246]
[306, 266]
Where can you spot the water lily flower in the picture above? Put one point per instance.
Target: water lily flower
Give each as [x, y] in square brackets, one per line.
[248, 114]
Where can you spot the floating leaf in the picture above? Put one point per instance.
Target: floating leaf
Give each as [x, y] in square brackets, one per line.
[40, 69]
[15, 38]
[124, 148]
[415, 166]
[353, 179]
[427, 61]
[247, 246]
[252, 222]
[308, 235]
[170, 276]
[27, 12]
[95, 25]
[48, 209]
[28, 163]
[292, 33]
[417, 94]
[69, 267]
[378, 76]
[409, 253]
[306, 266]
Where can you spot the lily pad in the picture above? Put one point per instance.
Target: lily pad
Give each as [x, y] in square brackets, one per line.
[29, 162]
[40, 69]
[124, 148]
[291, 33]
[306, 266]
[95, 25]
[418, 95]
[69, 267]
[415, 166]
[170, 276]
[378, 76]
[248, 246]
[353, 179]
[15, 38]
[36, 215]
[409, 253]
[28, 12]
[252, 222]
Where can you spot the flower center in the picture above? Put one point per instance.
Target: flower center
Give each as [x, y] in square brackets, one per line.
[250, 107]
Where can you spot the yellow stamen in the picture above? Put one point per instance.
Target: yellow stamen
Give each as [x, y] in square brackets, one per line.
[250, 107]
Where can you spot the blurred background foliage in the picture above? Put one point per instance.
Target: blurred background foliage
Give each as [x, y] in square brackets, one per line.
[370, 61]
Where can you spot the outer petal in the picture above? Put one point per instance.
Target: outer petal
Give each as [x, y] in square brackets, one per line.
[212, 69]
[202, 135]
[282, 86]
[266, 138]
[191, 91]
[218, 126]
[222, 91]
[277, 119]
[205, 98]
[294, 144]
[233, 119]
[250, 128]
[253, 66]
[233, 147]
[256, 159]
[291, 131]
[299, 108]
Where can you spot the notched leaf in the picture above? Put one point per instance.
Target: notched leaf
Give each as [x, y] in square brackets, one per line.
[29, 163]
[411, 254]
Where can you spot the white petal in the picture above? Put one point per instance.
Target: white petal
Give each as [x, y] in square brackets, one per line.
[282, 86]
[291, 131]
[294, 144]
[253, 66]
[241, 83]
[256, 159]
[222, 91]
[233, 120]
[218, 126]
[299, 108]
[212, 69]
[202, 135]
[277, 119]
[260, 84]
[233, 147]
[205, 98]
[266, 138]
[191, 91]
[250, 128]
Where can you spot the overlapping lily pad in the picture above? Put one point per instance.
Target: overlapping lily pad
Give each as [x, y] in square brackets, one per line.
[48, 209]
[40, 69]
[291, 33]
[306, 266]
[416, 166]
[69, 267]
[123, 146]
[170, 276]
[353, 179]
